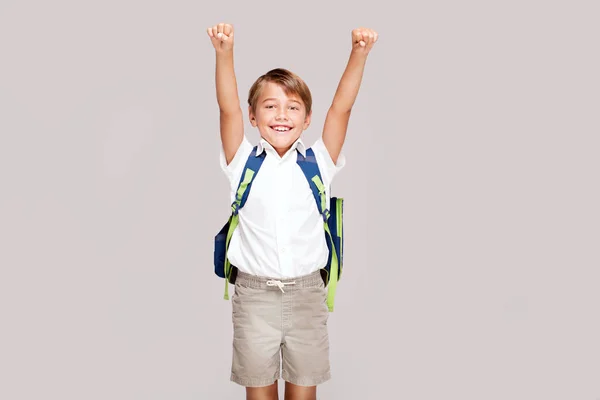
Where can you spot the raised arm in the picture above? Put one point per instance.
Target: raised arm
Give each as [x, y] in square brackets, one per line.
[336, 122]
[231, 117]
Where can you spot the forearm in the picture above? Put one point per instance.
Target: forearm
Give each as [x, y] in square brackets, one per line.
[227, 92]
[349, 85]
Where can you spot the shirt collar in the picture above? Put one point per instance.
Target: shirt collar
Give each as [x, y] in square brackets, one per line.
[298, 145]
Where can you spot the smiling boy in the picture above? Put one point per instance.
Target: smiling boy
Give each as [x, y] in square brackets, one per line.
[279, 247]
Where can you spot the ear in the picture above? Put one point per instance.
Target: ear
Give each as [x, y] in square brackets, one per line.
[251, 117]
[307, 120]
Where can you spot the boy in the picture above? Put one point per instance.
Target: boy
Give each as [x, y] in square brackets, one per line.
[279, 304]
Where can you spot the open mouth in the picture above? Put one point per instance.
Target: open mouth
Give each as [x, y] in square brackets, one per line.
[281, 128]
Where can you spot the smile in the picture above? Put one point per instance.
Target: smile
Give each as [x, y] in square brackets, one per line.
[281, 129]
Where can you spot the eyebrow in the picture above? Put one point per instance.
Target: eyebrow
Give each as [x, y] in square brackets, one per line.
[272, 98]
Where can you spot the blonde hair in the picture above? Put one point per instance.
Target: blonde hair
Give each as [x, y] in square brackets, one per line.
[290, 82]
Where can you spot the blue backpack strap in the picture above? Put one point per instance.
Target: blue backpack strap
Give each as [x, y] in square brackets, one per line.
[253, 164]
[310, 168]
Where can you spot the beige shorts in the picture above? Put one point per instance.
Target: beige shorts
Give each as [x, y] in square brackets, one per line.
[280, 325]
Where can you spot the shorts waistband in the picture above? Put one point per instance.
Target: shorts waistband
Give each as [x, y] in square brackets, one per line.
[260, 282]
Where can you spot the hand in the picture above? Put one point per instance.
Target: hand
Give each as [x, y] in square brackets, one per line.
[363, 40]
[221, 36]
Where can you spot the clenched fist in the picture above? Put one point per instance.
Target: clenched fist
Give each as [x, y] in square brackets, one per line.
[363, 40]
[221, 36]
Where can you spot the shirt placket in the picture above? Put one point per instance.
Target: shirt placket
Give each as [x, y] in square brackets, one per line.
[282, 222]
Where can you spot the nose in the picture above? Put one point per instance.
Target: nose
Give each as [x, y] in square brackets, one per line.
[281, 114]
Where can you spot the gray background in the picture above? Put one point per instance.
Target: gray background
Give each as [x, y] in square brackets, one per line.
[472, 223]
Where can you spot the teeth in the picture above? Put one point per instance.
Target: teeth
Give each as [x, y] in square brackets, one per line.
[281, 129]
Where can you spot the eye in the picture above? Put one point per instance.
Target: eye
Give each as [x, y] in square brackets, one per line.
[294, 107]
[269, 106]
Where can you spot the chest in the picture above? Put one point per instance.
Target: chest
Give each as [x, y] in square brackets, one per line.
[281, 188]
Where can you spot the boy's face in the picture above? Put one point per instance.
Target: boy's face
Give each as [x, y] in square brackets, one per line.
[280, 119]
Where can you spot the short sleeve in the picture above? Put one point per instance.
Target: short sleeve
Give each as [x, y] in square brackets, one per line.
[326, 165]
[233, 171]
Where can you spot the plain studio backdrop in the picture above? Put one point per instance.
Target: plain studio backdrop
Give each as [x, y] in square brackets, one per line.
[472, 222]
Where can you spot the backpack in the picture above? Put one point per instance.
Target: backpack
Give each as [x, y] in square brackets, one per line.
[332, 212]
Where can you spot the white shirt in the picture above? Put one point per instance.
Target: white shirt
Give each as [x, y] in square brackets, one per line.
[280, 232]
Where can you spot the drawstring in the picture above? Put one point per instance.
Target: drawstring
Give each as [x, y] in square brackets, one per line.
[279, 284]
